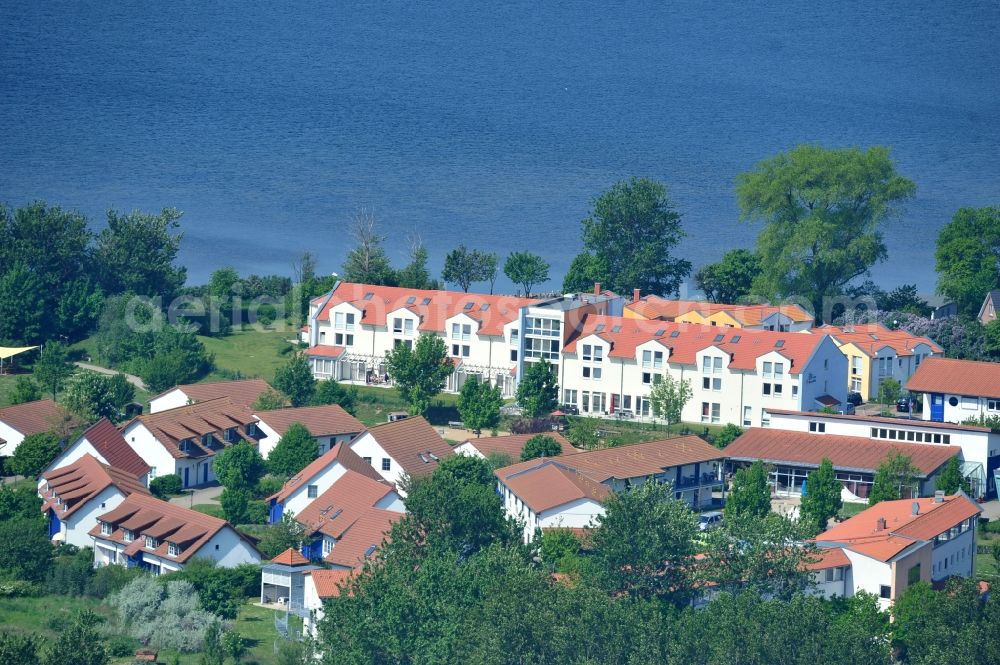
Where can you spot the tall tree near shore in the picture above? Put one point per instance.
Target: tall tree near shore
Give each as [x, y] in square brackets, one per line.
[136, 253]
[822, 211]
[368, 263]
[463, 266]
[731, 278]
[968, 257]
[628, 241]
[526, 269]
[415, 274]
[487, 262]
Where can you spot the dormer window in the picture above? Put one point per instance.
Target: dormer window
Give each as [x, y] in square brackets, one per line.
[185, 445]
[105, 529]
[231, 435]
[150, 543]
[173, 550]
[206, 440]
[128, 536]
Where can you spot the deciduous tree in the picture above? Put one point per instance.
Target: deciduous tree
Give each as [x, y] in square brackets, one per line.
[968, 257]
[668, 397]
[332, 392]
[821, 500]
[420, 373]
[822, 212]
[894, 476]
[730, 280]
[136, 253]
[538, 389]
[25, 390]
[295, 380]
[526, 269]
[79, 643]
[295, 450]
[951, 479]
[53, 367]
[479, 405]
[750, 494]
[93, 396]
[462, 267]
[367, 263]
[239, 466]
[34, 453]
[540, 445]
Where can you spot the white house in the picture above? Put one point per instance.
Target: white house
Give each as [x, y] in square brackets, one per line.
[568, 490]
[243, 393]
[21, 420]
[318, 477]
[980, 446]
[329, 424]
[320, 585]
[184, 440]
[410, 446]
[957, 390]
[161, 537]
[104, 443]
[897, 543]
[75, 494]
[611, 365]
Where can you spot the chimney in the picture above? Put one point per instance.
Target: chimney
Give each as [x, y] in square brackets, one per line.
[939, 496]
[635, 295]
[880, 525]
[916, 508]
[597, 288]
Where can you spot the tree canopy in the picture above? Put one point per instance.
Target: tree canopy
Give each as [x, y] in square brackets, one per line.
[821, 500]
[526, 269]
[668, 397]
[332, 392]
[822, 212]
[367, 262]
[136, 252]
[628, 240]
[296, 448]
[951, 479]
[53, 367]
[34, 454]
[968, 257]
[540, 445]
[93, 396]
[464, 266]
[295, 380]
[895, 476]
[538, 389]
[420, 373]
[750, 494]
[730, 280]
[239, 466]
[479, 405]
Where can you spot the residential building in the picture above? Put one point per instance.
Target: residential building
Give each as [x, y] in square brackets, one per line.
[988, 311]
[957, 390]
[330, 424]
[21, 420]
[410, 446]
[510, 445]
[611, 364]
[980, 445]
[184, 440]
[320, 585]
[75, 494]
[895, 544]
[355, 325]
[875, 353]
[242, 393]
[162, 537]
[329, 517]
[793, 455]
[319, 476]
[362, 539]
[104, 443]
[778, 318]
[569, 490]
[283, 581]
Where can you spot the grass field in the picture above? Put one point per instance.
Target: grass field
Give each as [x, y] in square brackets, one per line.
[986, 565]
[374, 405]
[249, 353]
[6, 386]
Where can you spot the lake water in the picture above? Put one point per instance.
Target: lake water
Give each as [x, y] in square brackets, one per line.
[493, 124]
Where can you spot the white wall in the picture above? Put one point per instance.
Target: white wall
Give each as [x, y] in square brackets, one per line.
[868, 575]
[77, 527]
[227, 549]
[313, 604]
[271, 437]
[323, 481]
[959, 553]
[366, 446]
[169, 400]
[842, 587]
[152, 452]
[12, 437]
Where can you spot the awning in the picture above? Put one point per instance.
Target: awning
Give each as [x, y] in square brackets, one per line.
[11, 351]
[827, 400]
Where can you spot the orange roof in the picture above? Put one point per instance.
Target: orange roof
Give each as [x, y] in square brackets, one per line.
[243, 392]
[433, 307]
[326, 351]
[363, 538]
[193, 421]
[827, 557]
[685, 340]
[76, 484]
[108, 441]
[413, 443]
[864, 532]
[855, 453]
[340, 453]
[188, 529]
[329, 582]
[546, 483]
[655, 307]
[291, 557]
[513, 444]
[871, 337]
[32, 417]
[957, 377]
[319, 420]
[335, 510]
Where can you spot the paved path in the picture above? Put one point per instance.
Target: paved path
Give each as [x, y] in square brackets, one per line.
[131, 378]
[198, 496]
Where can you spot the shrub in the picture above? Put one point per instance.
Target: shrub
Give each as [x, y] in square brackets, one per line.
[992, 526]
[121, 646]
[34, 454]
[18, 589]
[166, 486]
[110, 579]
[162, 616]
[531, 425]
[70, 572]
[268, 485]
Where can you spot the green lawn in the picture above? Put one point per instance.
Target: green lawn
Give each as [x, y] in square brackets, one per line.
[6, 387]
[849, 510]
[374, 405]
[986, 565]
[213, 509]
[248, 353]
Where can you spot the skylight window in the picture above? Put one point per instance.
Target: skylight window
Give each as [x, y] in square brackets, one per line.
[599, 328]
[411, 300]
[616, 329]
[719, 338]
[371, 550]
[369, 296]
[469, 305]
[780, 343]
[485, 307]
[675, 333]
[659, 333]
[735, 339]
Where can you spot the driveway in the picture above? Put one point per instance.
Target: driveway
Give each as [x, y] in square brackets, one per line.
[199, 495]
[131, 378]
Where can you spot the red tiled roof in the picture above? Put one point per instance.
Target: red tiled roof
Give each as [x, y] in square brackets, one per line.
[326, 351]
[335, 510]
[907, 422]
[243, 392]
[655, 307]
[325, 420]
[491, 311]
[871, 337]
[845, 452]
[513, 444]
[81, 481]
[340, 453]
[546, 483]
[685, 340]
[108, 441]
[364, 536]
[329, 582]
[413, 443]
[903, 528]
[958, 377]
[32, 417]
[291, 557]
[172, 426]
[188, 529]
[827, 557]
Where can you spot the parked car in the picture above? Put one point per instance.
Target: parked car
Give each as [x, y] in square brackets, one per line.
[709, 520]
[907, 405]
[846, 409]
[855, 399]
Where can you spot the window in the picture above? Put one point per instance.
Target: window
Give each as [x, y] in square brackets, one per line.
[884, 591]
[779, 370]
[765, 419]
[970, 403]
[541, 348]
[587, 352]
[716, 412]
[367, 459]
[647, 378]
[993, 404]
[591, 372]
[513, 336]
[777, 389]
[647, 358]
[569, 397]
[543, 327]
[657, 359]
[513, 355]
[747, 416]
[767, 369]
[386, 463]
[172, 549]
[150, 543]
[710, 412]
[817, 427]
[706, 364]
[128, 536]
[461, 350]
[767, 389]
[795, 391]
[312, 491]
[343, 320]
[327, 546]
[152, 472]
[341, 339]
[105, 529]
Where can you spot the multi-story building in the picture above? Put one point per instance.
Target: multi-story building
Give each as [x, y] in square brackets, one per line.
[779, 318]
[875, 353]
[611, 364]
[103, 442]
[329, 424]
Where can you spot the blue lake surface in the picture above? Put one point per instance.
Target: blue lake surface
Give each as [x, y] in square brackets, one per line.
[493, 124]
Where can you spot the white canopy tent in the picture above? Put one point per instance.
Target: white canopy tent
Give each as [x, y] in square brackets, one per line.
[7, 352]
